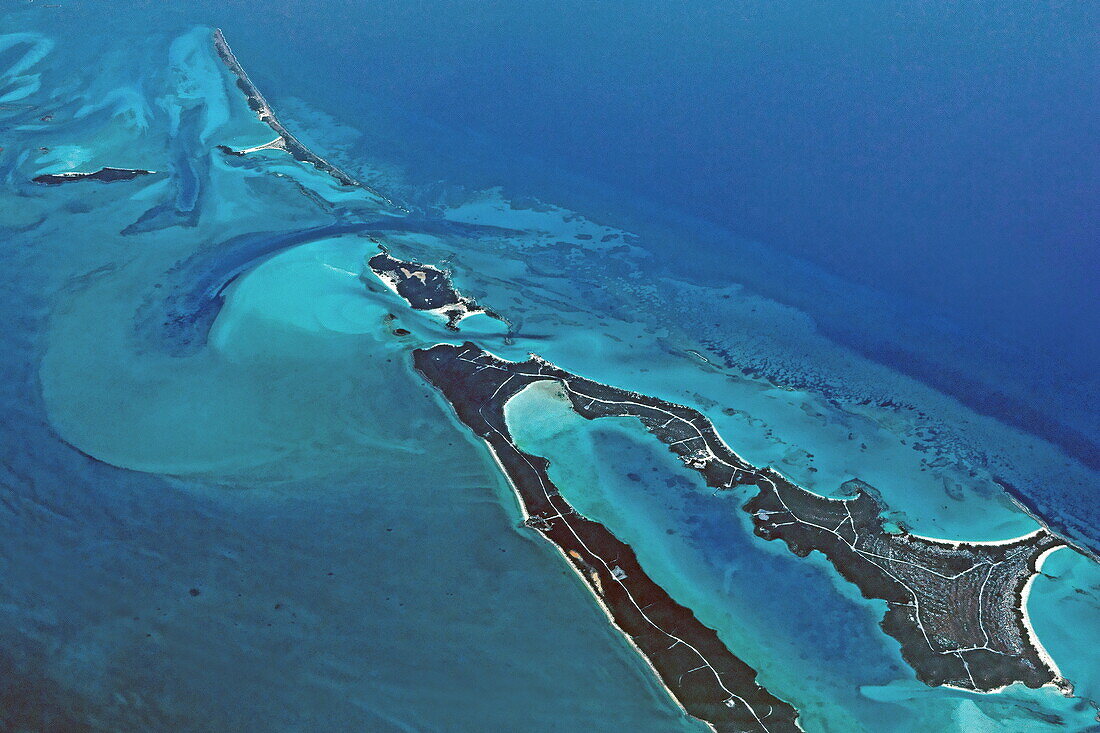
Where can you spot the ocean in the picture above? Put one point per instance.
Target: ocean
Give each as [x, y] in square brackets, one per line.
[858, 239]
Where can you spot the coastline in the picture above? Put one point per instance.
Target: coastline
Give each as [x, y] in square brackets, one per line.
[766, 268]
[811, 639]
[103, 175]
[266, 114]
[426, 288]
[1021, 500]
[592, 591]
[1064, 685]
[988, 543]
[894, 567]
[1060, 683]
[477, 391]
[902, 568]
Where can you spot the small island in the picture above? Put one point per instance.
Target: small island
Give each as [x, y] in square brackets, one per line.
[103, 175]
[694, 665]
[958, 608]
[425, 288]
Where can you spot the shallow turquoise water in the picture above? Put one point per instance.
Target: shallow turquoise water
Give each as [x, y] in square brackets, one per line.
[293, 473]
[1065, 612]
[770, 607]
[142, 459]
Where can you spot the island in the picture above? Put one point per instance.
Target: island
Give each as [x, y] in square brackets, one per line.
[103, 175]
[957, 608]
[426, 288]
[695, 666]
[284, 140]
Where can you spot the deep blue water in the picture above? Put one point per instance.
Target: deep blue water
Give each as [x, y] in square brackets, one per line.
[917, 180]
[945, 150]
[942, 153]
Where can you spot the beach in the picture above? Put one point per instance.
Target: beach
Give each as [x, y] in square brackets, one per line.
[212, 390]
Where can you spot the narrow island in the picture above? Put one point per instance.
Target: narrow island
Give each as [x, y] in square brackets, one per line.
[426, 288]
[103, 175]
[284, 140]
[697, 669]
[957, 608]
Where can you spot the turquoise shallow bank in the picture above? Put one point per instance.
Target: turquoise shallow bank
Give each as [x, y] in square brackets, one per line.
[227, 501]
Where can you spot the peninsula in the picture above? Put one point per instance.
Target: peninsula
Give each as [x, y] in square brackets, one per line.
[694, 665]
[958, 609]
